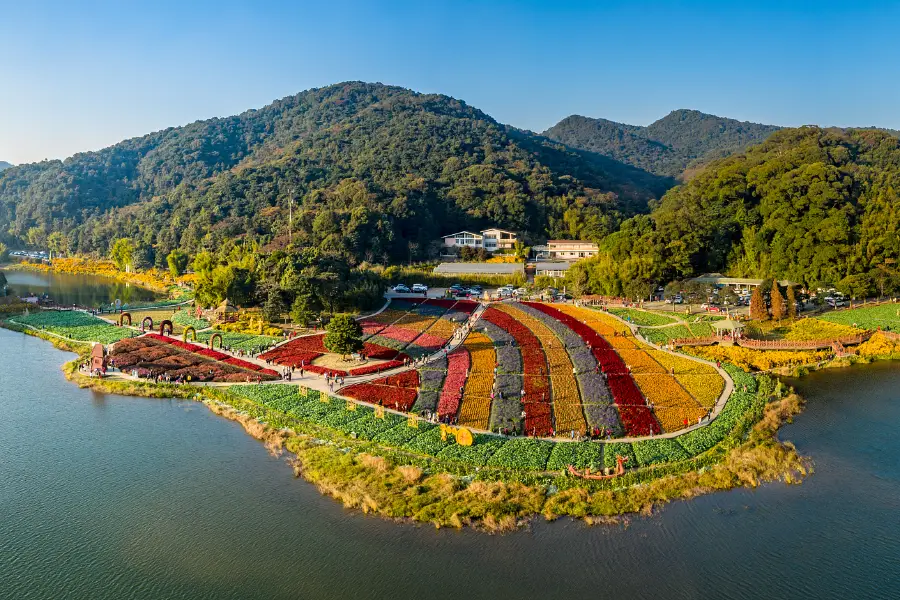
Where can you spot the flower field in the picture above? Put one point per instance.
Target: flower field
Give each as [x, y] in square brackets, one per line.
[475, 410]
[305, 349]
[565, 395]
[395, 391]
[74, 325]
[154, 354]
[818, 329]
[536, 401]
[758, 360]
[454, 382]
[417, 329]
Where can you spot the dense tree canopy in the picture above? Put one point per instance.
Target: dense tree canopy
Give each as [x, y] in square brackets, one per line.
[665, 147]
[814, 206]
[371, 172]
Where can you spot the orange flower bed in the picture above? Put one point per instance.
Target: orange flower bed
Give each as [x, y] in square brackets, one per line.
[671, 403]
[639, 361]
[599, 321]
[415, 322]
[475, 410]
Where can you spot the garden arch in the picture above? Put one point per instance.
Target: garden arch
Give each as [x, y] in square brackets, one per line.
[213, 338]
[189, 330]
[144, 323]
[166, 326]
[124, 316]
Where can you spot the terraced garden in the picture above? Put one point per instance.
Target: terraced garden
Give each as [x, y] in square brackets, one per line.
[557, 370]
[884, 316]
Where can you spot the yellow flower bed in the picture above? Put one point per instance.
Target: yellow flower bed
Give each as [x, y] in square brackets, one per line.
[415, 322]
[759, 360]
[639, 361]
[815, 329]
[878, 346]
[671, 403]
[250, 322]
[566, 398]
[705, 388]
[680, 364]
[622, 343]
[442, 328]
[387, 316]
[475, 410]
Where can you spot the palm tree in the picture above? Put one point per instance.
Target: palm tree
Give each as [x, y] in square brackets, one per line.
[521, 251]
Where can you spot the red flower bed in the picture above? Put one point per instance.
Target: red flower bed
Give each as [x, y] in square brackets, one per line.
[466, 306]
[536, 402]
[368, 369]
[299, 350]
[440, 302]
[636, 416]
[395, 391]
[451, 395]
[320, 370]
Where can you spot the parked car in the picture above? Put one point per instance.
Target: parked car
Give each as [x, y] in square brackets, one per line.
[401, 289]
[522, 291]
[419, 288]
[476, 290]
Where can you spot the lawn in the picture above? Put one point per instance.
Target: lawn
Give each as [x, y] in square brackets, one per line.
[643, 318]
[75, 325]
[885, 316]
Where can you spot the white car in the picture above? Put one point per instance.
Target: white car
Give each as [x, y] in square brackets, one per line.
[401, 289]
[419, 288]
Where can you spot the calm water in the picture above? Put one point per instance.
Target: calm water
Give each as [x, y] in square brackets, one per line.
[83, 290]
[114, 497]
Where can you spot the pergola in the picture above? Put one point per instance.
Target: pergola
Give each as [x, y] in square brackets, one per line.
[727, 325]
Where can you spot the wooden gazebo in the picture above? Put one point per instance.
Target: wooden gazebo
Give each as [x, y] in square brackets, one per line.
[728, 326]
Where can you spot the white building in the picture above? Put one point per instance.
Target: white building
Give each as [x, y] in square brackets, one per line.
[498, 239]
[489, 239]
[551, 269]
[571, 249]
[464, 238]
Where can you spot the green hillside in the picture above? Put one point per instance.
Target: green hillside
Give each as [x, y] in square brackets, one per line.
[667, 146]
[815, 206]
[376, 172]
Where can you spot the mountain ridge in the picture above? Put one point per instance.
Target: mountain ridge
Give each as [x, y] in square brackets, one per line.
[668, 146]
[361, 160]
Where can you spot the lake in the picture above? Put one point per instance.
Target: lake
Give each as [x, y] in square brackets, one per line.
[80, 289]
[104, 496]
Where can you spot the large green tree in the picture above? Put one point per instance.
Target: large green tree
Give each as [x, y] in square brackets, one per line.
[178, 262]
[343, 335]
[122, 253]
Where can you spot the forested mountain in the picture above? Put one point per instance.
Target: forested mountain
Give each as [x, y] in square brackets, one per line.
[4, 165]
[667, 146]
[377, 173]
[815, 206]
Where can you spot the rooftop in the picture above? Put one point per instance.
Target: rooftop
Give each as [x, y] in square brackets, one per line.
[464, 268]
[552, 266]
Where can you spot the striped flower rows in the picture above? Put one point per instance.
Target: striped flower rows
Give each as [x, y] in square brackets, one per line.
[506, 410]
[566, 398]
[634, 414]
[596, 398]
[535, 401]
[395, 391]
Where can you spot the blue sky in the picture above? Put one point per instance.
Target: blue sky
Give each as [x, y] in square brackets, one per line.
[83, 77]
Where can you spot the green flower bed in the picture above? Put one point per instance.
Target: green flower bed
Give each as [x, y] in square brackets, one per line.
[663, 450]
[661, 336]
[75, 325]
[523, 453]
[643, 317]
[240, 341]
[278, 404]
[185, 319]
[886, 316]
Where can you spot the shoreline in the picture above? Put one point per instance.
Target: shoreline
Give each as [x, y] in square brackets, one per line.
[395, 483]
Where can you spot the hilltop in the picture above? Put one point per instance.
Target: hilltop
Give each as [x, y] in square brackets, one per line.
[667, 146]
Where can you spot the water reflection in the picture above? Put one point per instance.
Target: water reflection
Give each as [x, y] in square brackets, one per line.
[83, 290]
